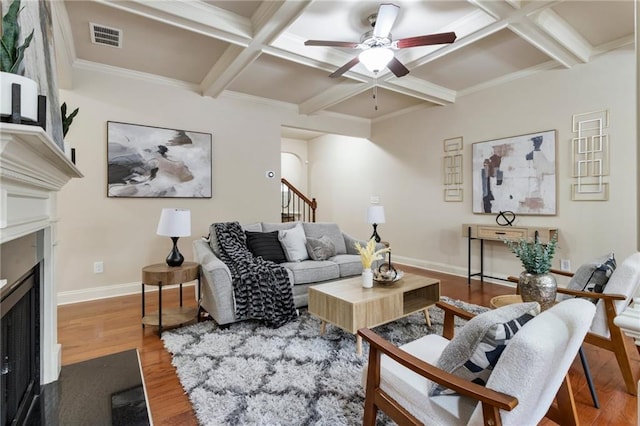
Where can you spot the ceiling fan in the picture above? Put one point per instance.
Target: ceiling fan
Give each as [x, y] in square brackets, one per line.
[377, 45]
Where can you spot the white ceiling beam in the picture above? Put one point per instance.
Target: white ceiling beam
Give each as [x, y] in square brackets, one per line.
[521, 22]
[421, 89]
[563, 33]
[195, 16]
[547, 44]
[271, 19]
[63, 44]
[332, 96]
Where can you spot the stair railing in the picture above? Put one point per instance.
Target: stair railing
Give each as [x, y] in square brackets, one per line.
[295, 205]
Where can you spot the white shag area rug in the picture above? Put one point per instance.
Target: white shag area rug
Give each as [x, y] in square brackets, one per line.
[249, 374]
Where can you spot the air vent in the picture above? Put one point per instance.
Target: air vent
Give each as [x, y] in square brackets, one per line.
[106, 36]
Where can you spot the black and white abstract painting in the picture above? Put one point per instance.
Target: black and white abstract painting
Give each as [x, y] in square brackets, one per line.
[156, 162]
[516, 174]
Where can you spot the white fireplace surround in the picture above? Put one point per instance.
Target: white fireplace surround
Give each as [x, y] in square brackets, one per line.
[32, 170]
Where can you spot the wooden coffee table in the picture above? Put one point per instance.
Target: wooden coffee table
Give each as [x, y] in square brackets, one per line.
[346, 304]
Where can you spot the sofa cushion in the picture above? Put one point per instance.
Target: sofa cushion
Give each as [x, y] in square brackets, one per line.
[331, 230]
[312, 271]
[476, 348]
[265, 245]
[294, 243]
[348, 264]
[320, 248]
[253, 227]
[593, 276]
[271, 226]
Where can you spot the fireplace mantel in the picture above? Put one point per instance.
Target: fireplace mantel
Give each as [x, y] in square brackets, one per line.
[32, 170]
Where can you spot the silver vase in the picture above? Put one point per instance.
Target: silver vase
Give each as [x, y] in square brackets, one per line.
[539, 288]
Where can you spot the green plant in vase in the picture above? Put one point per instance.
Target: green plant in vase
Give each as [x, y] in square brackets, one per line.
[67, 119]
[11, 57]
[12, 52]
[535, 282]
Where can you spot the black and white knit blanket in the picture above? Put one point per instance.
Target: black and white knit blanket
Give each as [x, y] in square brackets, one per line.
[262, 289]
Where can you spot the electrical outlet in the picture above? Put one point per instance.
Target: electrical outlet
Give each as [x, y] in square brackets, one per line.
[374, 199]
[565, 264]
[98, 267]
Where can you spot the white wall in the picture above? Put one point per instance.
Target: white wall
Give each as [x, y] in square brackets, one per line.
[293, 163]
[120, 231]
[402, 164]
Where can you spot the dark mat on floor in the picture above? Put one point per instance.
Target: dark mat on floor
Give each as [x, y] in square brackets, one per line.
[88, 388]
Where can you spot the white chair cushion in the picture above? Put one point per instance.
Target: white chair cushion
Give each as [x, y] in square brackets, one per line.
[411, 390]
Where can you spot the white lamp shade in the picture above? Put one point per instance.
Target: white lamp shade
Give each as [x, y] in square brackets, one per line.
[375, 214]
[375, 58]
[174, 223]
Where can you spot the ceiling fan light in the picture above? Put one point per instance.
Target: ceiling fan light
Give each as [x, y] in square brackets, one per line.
[376, 58]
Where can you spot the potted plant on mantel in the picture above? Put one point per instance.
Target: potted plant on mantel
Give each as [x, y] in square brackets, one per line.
[536, 283]
[11, 56]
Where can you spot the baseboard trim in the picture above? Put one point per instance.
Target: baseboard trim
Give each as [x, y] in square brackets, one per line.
[448, 269]
[107, 292]
[126, 289]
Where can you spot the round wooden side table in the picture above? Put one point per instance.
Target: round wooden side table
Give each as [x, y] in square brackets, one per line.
[507, 299]
[160, 275]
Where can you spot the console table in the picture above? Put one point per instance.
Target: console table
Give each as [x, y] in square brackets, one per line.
[482, 232]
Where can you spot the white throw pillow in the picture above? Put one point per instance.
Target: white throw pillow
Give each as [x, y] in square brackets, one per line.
[293, 243]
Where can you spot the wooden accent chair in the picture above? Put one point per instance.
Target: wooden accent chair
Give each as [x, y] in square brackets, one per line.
[521, 389]
[622, 286]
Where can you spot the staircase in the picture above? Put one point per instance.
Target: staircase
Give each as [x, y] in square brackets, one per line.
[295, 205]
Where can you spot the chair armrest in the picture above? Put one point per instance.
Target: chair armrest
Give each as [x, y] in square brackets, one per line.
[450, 312]
[378, 345]
[561, 272]
[591, 295]
[514, 279]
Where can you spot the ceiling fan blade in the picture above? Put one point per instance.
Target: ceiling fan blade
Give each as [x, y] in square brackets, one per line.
[346, 67]
[426, 40]
[397, 68]
[329, 43]
[387, 14]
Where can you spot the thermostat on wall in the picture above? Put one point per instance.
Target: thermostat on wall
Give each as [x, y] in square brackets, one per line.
[270, 174]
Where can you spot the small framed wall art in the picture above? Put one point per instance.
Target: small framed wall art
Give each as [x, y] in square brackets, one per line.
[157, 162]
[517, 173]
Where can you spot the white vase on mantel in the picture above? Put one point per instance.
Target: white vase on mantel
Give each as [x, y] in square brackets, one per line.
[28, 95]
[367, 278]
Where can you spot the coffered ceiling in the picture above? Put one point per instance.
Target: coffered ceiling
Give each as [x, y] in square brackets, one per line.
[255, 49]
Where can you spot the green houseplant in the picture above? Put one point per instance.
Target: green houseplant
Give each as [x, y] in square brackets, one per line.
[536, 257]
[67, 119]
[11, 57]
[12, 52]
[535, 282]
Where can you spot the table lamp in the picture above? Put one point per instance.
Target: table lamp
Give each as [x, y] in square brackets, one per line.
[375, 216]
[174, 223]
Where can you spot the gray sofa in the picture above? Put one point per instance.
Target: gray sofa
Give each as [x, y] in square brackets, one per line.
[216, 286]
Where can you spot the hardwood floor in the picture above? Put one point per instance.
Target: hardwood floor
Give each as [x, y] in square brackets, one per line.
[92, 329]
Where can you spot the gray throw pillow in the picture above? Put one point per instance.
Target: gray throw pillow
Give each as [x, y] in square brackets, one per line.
[476, 348]
[593, 276]
[320, 248]
[293, 243]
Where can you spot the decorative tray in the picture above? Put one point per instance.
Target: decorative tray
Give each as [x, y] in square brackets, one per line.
[388, 279]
